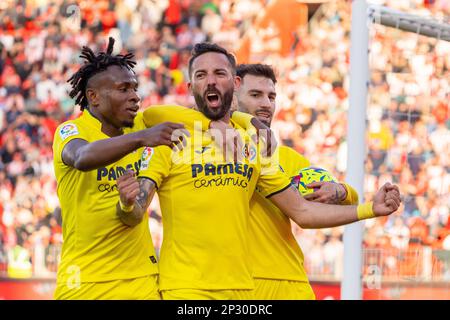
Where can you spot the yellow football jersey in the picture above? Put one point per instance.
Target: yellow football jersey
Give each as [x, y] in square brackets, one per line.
[97, 245]
[205, 208]
[274, 251]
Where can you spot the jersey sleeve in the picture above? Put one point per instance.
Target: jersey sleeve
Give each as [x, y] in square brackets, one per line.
[154, 115]
[243, 119]
[352, 196]
[272, 180]
[65, 133]
[292, 161]
[155, 164]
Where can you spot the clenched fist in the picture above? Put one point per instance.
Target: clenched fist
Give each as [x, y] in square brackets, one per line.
[387, 200]
[128, 187]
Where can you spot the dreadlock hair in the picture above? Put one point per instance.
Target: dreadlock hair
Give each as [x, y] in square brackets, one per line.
[256, 69]
[96, 63]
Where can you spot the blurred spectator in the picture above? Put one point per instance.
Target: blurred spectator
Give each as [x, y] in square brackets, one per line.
[399, 234]
[334, 253]
[408, 134]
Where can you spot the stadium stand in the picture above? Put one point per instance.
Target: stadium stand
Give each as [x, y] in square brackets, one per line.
[408, 125]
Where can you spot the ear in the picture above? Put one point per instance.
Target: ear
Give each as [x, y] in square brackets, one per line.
[92, 97]
[189, 85]
[237, 82]
[234, 102]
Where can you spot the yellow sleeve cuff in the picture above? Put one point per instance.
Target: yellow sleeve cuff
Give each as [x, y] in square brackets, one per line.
[126, 208]
[365, 211]
[352, 196]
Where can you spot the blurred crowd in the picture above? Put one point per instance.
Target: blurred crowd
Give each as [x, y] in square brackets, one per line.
[408, 111]
[408, 137]
[40, 42]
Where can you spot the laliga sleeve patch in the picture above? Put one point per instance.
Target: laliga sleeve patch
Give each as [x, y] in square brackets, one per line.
[68, 130]
[147, 154]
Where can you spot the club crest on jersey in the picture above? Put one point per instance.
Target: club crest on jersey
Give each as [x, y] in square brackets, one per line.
[67, 130]
[147, 154]
[249, 152]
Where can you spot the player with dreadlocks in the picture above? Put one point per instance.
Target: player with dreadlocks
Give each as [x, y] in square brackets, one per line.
[102, 258]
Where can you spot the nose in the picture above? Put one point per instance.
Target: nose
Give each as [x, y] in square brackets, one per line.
[135, 97]
[211, 79]
[266, 103]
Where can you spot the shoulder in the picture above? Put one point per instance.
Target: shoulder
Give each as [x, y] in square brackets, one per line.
[156, 114]
[291, 153]
[66, 132]
[289, 156]
[164, 108]
[68, 129]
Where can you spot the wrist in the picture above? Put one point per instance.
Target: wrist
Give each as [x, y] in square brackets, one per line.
[258, 124]
[124, 207]
[138, 139]
[365, 211]
[344, 193]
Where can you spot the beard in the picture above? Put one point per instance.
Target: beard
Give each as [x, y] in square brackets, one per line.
[127, 124]
[266, 122]
[215, 113]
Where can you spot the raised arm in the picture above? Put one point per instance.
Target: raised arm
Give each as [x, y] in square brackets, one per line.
[157, 114]
[313, 215]
[135, 197]
[86, 156]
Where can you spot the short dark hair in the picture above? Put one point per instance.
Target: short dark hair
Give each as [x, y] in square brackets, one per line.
[205, 47]
[94, 64]
[256, 69]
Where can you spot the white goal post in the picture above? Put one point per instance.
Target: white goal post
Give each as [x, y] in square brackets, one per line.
[362, 16]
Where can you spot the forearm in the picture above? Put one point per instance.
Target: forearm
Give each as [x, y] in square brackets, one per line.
[158, 114]
[104, 152]
[319, 215]
[133, 214]
[313, 215]
[352, 195]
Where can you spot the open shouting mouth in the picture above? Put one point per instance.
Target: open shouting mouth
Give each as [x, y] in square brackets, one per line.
[213, 99]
